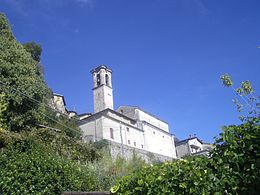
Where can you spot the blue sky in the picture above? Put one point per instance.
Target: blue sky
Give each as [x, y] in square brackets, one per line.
[166, 55]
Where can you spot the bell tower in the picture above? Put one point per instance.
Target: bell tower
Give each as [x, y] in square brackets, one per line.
[102, 89]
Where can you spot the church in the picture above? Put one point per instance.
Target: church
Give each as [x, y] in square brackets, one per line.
[128, 129]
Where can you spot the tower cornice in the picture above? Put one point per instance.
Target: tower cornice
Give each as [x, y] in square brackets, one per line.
[97, 69]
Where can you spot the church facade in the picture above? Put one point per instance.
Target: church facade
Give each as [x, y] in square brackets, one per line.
[127, 128]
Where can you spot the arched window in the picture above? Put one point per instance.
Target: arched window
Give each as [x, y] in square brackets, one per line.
[107, 79]
[98, 79]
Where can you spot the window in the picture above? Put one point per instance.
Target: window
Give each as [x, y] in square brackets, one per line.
[111, 133]
[134, 143]
[98, 79]
[142, 145]
[154, 132]
[127, 129]
[128, 142]
[107, 79]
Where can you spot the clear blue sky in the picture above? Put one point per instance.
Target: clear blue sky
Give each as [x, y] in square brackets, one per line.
[166, 55]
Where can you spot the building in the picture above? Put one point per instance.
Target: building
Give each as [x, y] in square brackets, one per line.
[128, 128]
[57, 103]
[192, 146]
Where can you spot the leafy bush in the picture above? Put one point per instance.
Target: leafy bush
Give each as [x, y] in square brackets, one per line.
[27, 167]
[190, 176]
[68, 147]
[233, 168]
[236, 158]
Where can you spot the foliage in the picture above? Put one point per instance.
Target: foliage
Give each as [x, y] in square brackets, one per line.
[27, 167]
[250, 103]
[236, 157]
[233, 168]
[67, 147]
[190, 176]
[18, 74]
[59, 147]
[109, 170]
[3, 109]
[226, 80]
[34, 49]
[62, 122]
[57, 142]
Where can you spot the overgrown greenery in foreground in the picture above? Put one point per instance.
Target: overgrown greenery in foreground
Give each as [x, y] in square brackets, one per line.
[28, 168]
[46, 162]
[233, 168]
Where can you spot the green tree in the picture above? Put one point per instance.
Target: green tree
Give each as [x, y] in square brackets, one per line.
[34, 49]
[19, 83]
[247, 101]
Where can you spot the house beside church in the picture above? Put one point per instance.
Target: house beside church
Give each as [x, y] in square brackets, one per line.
[192, 146]
[128, 129]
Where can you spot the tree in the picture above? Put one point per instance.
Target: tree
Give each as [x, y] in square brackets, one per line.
[34, 49]
[248, 101]
[20, 84]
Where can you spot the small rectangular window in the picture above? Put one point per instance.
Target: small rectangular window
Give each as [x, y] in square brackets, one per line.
[142, 146]
[111, 133]
[134, 143]
[127, 129]
[128, 142]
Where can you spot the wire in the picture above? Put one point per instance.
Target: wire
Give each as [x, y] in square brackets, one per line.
[36, 101]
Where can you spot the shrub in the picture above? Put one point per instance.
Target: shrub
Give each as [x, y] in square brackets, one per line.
[191, 176]
[27, 167]
[233, 168]
[236, 158]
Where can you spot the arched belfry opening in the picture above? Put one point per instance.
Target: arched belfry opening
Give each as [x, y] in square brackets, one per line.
[102, 88]
[107, 79]
[98, 80]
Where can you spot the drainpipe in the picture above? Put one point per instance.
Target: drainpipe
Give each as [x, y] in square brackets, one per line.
[95, 129]
[122, 147]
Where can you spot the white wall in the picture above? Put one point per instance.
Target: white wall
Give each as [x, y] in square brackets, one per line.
[92, 130]
[139, 135]
[140, 115]
[103, 98]
[152, 120]
[195, 142]
[159, 142]
[122, 133]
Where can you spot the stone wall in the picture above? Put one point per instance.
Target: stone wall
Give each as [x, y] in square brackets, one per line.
[127, 152]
